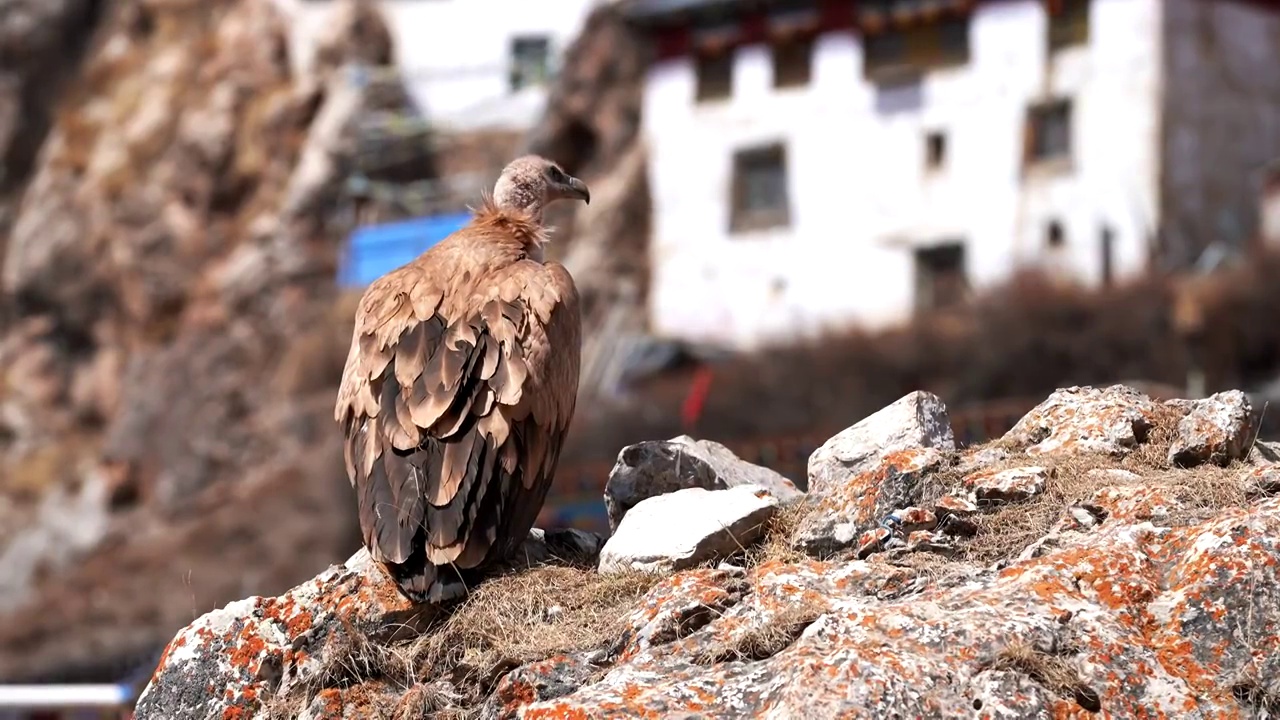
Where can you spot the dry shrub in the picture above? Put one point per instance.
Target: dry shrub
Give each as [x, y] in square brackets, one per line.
[1025, 338]
[1050, 670]
[41, 469]
[776, 544]
[526, 616]
[508, 620]
[1254, 693]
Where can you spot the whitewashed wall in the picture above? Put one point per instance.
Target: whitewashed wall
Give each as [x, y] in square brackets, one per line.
[860, 198]
[456, 52]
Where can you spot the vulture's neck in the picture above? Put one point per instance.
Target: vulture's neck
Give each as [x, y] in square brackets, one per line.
[523, 224]
[519, 198]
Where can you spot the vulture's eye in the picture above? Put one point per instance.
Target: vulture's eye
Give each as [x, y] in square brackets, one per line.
[556, 174]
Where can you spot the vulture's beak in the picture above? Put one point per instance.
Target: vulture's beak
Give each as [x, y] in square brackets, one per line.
[578, 189]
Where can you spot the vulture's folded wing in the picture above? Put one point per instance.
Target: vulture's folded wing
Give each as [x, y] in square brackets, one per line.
[450, 409]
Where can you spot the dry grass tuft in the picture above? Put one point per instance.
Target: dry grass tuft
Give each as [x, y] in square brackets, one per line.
[1156, 439]
[1007, 529]
[525, 616]
[1049, 670]
[1251, 691]
[510, 619]
[1011, 527]
[933, 569]
[780, 531]
[764, 639]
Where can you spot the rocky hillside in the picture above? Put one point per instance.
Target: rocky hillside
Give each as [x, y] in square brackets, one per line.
[173, 332]
[1109, 554]
[171, 211]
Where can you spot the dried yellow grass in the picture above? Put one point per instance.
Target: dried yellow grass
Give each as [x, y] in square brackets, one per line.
[529, 615]
[1051, 671]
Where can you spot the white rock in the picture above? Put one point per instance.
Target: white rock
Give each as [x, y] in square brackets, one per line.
[1010, 484]
[684, 528]
[917, 420]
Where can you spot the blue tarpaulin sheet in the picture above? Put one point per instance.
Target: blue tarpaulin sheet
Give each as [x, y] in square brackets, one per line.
[375, 250]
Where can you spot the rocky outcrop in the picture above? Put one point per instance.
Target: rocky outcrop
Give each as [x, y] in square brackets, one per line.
[41, 45]
[1015, 582]
[175, 332]
[172, 206]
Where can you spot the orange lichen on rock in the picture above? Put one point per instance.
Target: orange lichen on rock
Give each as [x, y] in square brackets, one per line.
[1147, 592]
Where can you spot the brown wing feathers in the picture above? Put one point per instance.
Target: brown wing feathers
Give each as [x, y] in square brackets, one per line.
[441, 431]
[452, 403]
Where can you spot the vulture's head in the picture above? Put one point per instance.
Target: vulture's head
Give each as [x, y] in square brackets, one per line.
[532, 182]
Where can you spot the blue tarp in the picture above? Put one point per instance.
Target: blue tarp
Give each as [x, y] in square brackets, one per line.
[375, 250]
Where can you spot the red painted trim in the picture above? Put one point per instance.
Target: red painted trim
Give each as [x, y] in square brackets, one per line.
[670, 42]
[672, 37]
[697, 397]
[755, 28]
[835, 14]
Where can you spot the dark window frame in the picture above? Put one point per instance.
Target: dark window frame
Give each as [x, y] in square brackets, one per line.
[935, 150]
[940, 267]
[1055, 234]
[713, 76]
[895, 55]
[1043, 143]
[792, 60]
[768, 158]
[1067, 24]
[520, 56]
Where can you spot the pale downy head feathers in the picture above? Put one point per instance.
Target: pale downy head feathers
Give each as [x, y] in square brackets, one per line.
[530, 183]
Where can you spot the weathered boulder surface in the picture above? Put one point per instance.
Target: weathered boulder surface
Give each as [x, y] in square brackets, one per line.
[229, 660]
[1112, 420]
[1095, 577]
[652, 468]
[1217, 429]
[861, 475]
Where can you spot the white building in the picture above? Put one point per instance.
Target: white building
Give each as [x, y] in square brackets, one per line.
[814, 164]
[467, 64]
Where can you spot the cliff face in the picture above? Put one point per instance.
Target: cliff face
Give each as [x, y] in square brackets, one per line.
[174, 335]
[171, 214]
[41, 44]
[1109, 554]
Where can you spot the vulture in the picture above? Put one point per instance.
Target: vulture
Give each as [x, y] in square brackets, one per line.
[458, 388]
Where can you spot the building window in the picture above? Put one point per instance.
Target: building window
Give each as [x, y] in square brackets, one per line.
[759, 189]
[715, 75]
[530, 62]
[940, 276]
[935, 150]
[1106, 247]
[1055, 236]
[1048, 132]
[1068, 23]
[792, 63]
[890, 54]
